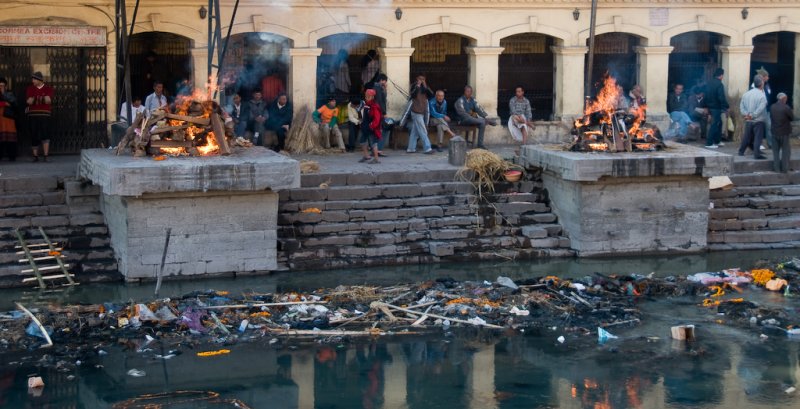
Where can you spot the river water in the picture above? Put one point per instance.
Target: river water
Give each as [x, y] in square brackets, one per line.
[725, 367]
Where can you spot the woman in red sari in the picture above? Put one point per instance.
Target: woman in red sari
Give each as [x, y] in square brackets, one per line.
[8, 129]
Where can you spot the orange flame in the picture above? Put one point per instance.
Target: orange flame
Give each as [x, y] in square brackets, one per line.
[598, 146]
[211, 145]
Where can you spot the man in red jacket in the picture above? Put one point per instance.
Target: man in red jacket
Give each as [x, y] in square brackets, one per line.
[372, 120]
[39, 97]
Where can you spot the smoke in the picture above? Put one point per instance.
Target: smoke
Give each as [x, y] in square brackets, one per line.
[250, 57]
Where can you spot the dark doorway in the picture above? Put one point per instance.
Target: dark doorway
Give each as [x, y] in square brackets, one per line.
[340, 52]
[527, 60]
[693, 59]
[775, 53]
[256, 61]
[443, 60]
[157, 56]
[615, 56]
[78, 76]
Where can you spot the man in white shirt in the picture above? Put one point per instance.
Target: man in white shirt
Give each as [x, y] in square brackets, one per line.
[156, 100]
[136, 108]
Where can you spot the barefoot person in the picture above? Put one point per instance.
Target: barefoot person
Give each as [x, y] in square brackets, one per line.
[519, 123]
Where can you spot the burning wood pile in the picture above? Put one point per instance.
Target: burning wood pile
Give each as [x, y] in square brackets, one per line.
[609, 124]
[197, 129]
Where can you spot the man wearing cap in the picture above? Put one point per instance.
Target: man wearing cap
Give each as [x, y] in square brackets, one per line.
[782, 117]
[39, 97]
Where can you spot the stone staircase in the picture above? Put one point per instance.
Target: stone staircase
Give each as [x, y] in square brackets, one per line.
[69, 212]
[364, 219]
[762, 211]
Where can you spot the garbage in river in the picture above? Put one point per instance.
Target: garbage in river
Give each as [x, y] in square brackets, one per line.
[590, 305]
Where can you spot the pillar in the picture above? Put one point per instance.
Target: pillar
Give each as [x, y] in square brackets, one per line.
[736, 63]
[653, 76]
[303, 377]
[112, 93]
[796, 91]
[302, 81]
[199, 67]
[482, 379]
[483, 75]
[569, 72]
[396, 64]
[395, 382]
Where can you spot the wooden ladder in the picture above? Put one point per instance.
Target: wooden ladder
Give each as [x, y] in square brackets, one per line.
[47, 251]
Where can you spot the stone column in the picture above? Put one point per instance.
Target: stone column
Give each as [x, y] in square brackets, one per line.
[112, 93]
[483, 76]
[396, 64]
[653, 73]
[303, 377]
[569, 74]
[199, 67]
[736, 63]
[482, 379]
[302, 81]
[796, 91]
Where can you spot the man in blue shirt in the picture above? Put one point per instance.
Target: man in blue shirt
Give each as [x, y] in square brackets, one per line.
[438, 109]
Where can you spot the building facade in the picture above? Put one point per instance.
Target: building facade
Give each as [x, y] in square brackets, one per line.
[492, 45]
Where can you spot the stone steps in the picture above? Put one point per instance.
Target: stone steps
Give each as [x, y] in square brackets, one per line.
[68, 210]
[338, 220]
[761, 211]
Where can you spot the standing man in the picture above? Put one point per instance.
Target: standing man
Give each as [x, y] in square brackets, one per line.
[717, 103]
[39, 97]
[754, 112]
[438, 110]
[417, 112]
[238, 114]
[470, 112]
[257, 116]
[768, 93]
[782, 117]
[280, 118]
[157, 100]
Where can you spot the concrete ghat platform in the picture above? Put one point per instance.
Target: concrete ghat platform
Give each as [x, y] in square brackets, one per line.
[630, 202]
[221, 210]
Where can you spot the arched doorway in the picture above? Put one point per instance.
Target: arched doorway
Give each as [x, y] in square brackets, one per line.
[338, 49]
[693, 59]
[614, 55]
[775, 52]
[527, 60]
[256, 61]
[443, 60]
[159, 56]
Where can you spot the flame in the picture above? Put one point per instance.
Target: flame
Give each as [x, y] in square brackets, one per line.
[606, 101]
[174, 151]
[598, 146]
[211, 145]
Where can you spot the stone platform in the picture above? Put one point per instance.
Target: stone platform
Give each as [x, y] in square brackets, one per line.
[222, 210]
[630, 202]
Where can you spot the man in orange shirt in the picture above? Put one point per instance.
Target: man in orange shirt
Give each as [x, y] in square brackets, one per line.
[327, 116]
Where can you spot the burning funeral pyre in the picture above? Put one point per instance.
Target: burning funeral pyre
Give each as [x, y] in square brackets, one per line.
[609, 125]
[197, 129]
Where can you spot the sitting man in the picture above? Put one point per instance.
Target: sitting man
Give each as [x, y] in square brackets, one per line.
[521, 115]
[438, 109]
[280, 118]
[677, 105]
[238, 114]
[327, 116]
[257, 117]
[470, 112]
[698, 110]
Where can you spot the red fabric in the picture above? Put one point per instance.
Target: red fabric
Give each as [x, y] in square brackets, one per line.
[271, 87]
[39, 107]
[377, 117]
[8, 129]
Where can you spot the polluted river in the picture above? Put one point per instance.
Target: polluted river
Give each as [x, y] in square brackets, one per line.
[716, 330]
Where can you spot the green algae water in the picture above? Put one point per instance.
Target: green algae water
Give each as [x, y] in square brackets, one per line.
[725, 367]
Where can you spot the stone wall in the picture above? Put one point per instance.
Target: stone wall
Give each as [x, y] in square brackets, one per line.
[341, 220]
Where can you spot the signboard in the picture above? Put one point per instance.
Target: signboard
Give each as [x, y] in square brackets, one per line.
[53, 36]
[659, 17]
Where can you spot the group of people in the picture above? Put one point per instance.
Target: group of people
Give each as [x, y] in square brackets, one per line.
[254, 119]
[762, 121]
[38, 107]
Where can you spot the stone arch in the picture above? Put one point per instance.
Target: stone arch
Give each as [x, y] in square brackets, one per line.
[295, 37]
[353, 28]
[770, 28]
[478, 37]
[171, 60]
[647, 37]
[528, 61]
[729, 34]
[197, 36]
[532, 26]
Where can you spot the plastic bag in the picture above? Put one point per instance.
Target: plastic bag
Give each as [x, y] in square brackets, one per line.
[731, 126]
